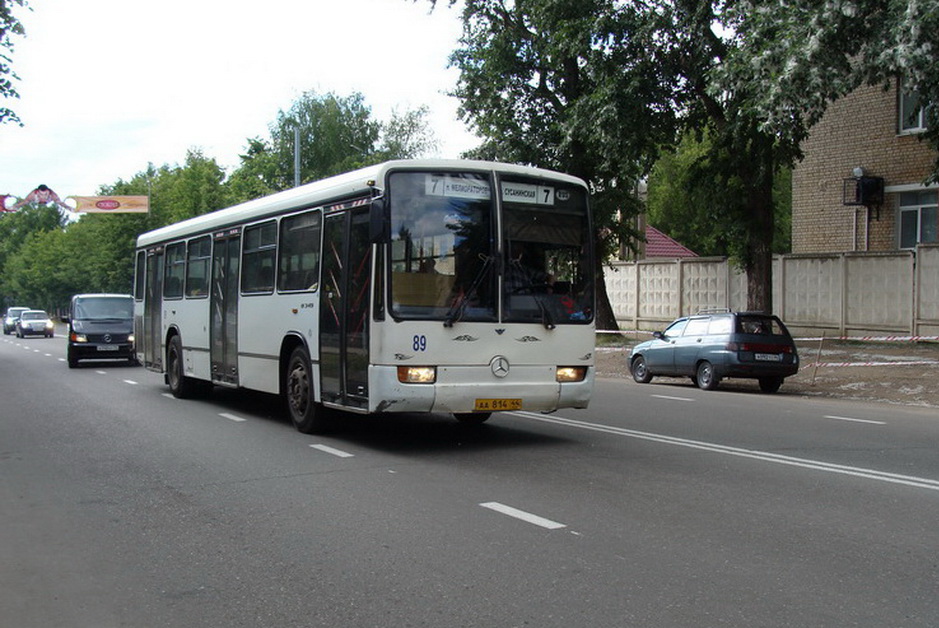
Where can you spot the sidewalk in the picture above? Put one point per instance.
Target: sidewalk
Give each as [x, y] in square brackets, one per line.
[904, 373]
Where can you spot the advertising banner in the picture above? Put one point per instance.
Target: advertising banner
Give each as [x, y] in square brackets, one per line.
[111, 204]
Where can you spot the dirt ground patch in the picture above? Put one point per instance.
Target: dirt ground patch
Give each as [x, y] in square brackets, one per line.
[903, 373]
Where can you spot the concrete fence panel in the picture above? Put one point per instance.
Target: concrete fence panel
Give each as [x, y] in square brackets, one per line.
[811, 291]
[849, 293]
[879, 291]
[927, 283]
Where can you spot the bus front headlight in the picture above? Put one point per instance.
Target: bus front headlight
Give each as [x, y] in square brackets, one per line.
[417, 374]
[571, 373]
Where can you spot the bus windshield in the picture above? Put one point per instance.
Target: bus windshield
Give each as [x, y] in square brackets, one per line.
[444, 260]
[548, 273]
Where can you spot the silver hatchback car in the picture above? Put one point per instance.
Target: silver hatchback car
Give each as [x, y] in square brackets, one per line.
[711, 346]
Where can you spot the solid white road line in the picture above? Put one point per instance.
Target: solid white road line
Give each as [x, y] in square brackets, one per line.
[232, 417]
[524, 516]
[672, 398]
[845, 418]
[332, 450]
[765, 456]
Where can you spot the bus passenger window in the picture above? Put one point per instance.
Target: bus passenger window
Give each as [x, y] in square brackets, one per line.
[298, 267]
[257, 270]
[174, 271]
[197, 267]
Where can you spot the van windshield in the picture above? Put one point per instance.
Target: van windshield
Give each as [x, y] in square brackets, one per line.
[104, 308]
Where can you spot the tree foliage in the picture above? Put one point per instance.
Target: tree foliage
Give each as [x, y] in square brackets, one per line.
[10, 27]
[795, 57]
[544, 82]
[600, 87]
[337, 134]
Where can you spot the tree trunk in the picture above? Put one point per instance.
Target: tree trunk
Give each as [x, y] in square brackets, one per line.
[605, 318]
[760, 238]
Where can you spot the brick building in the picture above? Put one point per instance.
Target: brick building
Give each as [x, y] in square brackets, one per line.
[867, 136]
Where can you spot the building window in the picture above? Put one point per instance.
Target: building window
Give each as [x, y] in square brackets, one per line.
[919, 219]
[912, 113]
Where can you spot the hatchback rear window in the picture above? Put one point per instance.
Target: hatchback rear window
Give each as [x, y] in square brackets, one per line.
[760, 325]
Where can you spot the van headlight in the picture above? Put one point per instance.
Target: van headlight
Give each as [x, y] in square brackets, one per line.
[76, 337]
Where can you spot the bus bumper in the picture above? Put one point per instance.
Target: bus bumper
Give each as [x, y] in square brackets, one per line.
[461, 389]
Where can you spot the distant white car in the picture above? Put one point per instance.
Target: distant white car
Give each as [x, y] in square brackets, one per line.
[34, 322]
[10, 318]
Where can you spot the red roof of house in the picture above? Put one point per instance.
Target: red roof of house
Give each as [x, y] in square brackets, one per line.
[660, 245]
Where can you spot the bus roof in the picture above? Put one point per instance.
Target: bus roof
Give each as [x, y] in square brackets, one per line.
[325, 190]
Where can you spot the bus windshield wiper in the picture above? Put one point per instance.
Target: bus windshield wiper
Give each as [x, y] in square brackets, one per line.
[546, 319]
[457, 309]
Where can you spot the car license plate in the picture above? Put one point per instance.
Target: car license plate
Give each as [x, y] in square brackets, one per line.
[497, 405]
[108, 347]
[768, 357]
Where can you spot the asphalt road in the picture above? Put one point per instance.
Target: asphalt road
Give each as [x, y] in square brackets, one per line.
[658, 506]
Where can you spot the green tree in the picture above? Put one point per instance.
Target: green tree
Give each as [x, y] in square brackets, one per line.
[337, 134]
[16, 230]
[599, 87]
[257, 175]
[10, 27]
[544, 82]
[407, 135]
[675, 207]
[796, 57]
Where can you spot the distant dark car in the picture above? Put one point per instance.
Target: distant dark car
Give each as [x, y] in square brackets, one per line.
[709, 347]
[34, 323]
[101, 326]
[9, 319]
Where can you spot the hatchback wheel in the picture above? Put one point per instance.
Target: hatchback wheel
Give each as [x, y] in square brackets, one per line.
[640, 370]
[707, 378]
[770, 384]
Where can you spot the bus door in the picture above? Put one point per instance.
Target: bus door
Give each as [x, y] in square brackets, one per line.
[153, 311]
[344, 308]
[223, 328]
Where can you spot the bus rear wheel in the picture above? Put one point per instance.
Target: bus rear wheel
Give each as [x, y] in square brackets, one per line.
[305, 413]
[181, 387]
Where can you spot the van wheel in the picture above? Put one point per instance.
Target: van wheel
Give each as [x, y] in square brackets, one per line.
[181, 387]
[305, 414]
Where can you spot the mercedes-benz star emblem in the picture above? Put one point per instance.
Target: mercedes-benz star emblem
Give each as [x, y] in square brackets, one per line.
[499, 366]
[107, 338]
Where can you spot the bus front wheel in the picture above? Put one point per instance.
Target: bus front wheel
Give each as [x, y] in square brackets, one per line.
[305, 413]
[472, 418]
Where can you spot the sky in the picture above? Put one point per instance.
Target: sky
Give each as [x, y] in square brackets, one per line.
[108, 86]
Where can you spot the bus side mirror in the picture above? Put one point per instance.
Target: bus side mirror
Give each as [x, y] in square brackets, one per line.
[379, 228]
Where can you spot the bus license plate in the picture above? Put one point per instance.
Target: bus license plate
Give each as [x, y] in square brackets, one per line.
[768, 357]
[497, 405]
[108, 347]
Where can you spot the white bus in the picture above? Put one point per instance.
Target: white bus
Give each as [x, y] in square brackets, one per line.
[463, 287]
